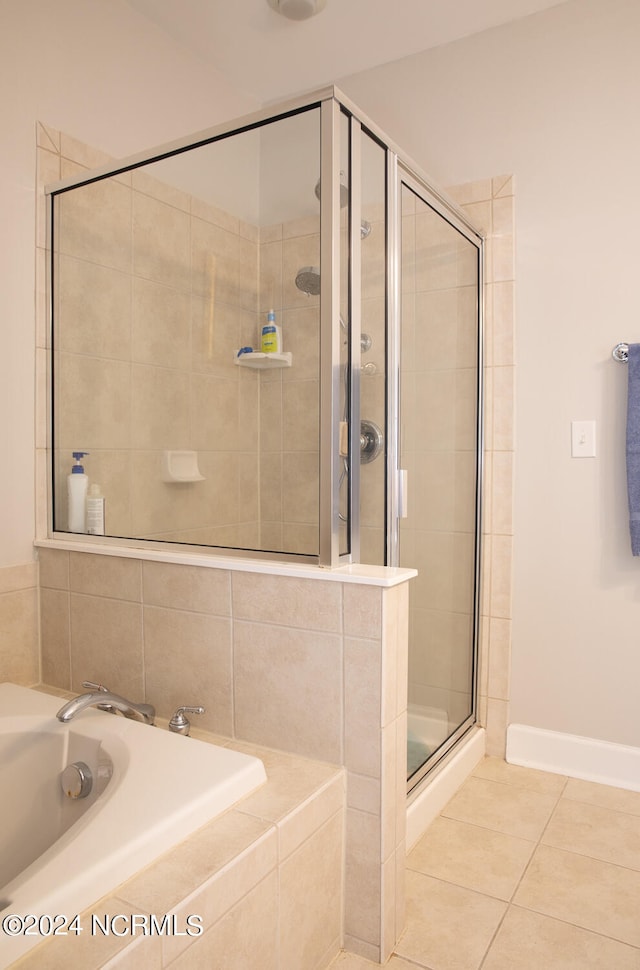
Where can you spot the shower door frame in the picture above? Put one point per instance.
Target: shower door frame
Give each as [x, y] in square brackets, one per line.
[399, 174]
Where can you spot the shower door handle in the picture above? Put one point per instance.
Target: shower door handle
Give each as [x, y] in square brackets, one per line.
[403, 510]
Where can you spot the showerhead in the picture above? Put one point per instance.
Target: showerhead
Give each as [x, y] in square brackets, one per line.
[344, 190]
[365, 227]
[308, 280]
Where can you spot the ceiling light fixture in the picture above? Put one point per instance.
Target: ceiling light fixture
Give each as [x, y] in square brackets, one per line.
[297, 9]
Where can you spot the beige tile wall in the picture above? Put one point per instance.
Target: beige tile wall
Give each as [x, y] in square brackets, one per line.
[490, 204]
[315, 668]
[19, 624]
[146, 364]
[434, 682]
[290, 397]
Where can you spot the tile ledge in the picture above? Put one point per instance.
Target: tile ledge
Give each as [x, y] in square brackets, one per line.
[384, 576]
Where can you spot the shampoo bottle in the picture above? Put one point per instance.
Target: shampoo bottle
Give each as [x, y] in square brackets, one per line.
[271, 335]
[95, 511]
[77, 485]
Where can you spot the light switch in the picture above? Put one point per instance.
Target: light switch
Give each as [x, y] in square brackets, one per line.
[583, 439]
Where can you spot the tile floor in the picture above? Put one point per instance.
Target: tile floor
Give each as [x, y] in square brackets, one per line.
[523, 870]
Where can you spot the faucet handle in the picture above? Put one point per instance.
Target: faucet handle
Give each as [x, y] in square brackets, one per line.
[180, 724]
[91, 686]
[103, 690]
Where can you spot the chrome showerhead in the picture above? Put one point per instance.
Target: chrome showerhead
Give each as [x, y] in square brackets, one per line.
[308, 280]
[365, 227]
[344, 190]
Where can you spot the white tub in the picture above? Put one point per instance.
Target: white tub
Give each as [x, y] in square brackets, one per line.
[59, 855]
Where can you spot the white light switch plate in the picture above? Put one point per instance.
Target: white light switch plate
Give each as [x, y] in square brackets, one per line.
[583, 439]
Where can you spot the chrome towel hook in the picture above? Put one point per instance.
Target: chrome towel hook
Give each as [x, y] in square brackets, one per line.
[621, 352]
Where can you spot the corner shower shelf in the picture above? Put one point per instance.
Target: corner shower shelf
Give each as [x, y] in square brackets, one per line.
[262, 361]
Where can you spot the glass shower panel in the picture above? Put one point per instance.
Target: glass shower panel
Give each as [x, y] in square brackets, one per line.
[344, 469]
[162, 274]
[373, 352]
[439, 446]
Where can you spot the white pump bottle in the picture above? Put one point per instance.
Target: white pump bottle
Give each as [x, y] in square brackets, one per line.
[77, 485]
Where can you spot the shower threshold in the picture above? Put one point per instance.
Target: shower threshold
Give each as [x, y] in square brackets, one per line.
[427, 799]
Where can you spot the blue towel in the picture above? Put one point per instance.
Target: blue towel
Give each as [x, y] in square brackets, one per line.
[633, 447]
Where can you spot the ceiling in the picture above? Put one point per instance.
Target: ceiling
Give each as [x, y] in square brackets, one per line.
[268, 57]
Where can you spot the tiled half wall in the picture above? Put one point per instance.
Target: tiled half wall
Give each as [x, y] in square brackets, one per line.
[316, 668]
[19, 634]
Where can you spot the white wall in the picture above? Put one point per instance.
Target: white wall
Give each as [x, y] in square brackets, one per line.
[96, 70]
[554, 100]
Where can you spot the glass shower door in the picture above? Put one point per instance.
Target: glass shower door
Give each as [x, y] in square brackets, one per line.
[439, 448]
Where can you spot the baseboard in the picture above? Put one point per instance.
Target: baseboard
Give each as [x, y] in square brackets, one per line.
[567, 754]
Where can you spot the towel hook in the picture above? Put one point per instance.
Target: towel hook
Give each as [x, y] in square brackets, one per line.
[621, 352]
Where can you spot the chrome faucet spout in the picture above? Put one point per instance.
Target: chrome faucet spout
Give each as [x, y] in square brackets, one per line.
[102, 698]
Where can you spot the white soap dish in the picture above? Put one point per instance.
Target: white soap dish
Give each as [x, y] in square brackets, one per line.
[180, 466]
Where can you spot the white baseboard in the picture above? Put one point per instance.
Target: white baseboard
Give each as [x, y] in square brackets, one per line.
[567, 754]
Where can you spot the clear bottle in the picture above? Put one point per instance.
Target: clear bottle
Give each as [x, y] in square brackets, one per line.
[95, 511]
[77, 486]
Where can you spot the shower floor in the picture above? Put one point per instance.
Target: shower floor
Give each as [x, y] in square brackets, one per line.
[427, 728]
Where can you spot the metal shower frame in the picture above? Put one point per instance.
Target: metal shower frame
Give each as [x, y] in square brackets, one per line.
[399, 170]
[334, 106]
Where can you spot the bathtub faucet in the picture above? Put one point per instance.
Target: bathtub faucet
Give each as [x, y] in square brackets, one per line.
[103, 698]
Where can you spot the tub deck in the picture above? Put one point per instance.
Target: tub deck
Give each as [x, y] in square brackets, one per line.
[264, 880]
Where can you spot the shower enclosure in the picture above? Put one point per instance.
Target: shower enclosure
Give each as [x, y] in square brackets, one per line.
[357, 440]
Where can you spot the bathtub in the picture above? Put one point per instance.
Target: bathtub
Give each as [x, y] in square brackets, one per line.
[151, 789]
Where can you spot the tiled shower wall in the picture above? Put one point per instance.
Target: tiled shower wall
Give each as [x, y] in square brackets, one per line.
[147, 364]
[437, 437]
[289, 397]
[490, 205]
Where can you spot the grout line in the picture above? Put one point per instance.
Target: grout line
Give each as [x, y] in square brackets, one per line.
[510, 904]
[604, 808]
[493, 938]
[537, 844]
[577, 926]
[510, 901]
[468, 889]
[552, 813]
